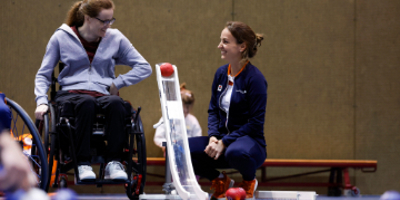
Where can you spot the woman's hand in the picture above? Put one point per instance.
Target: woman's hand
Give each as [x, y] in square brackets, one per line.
[40, 111]
[212, 140]
[113, 90]
[215, 148]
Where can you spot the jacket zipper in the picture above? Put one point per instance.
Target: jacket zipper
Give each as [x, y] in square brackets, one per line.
[90, 64]
[227, 113]
[90, 76]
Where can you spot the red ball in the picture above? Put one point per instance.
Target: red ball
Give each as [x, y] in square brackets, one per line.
[236, 193]
[166, 69]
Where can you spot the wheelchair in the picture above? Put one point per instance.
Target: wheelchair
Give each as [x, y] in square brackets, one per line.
[58, 141]
[24, 131]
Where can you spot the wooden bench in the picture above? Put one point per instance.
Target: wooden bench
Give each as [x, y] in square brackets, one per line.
[338, 172]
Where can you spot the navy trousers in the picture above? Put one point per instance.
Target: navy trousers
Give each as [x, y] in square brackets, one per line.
[84, 108]
[244, 155]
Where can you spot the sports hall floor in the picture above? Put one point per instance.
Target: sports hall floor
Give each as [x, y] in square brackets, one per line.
[124, 197]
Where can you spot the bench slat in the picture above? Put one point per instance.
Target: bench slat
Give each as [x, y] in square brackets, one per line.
[297, 163]
[320, 163]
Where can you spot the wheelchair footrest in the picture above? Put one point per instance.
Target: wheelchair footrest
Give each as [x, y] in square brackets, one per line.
[102, 182]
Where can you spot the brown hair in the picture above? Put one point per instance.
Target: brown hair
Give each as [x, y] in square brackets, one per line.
[187, 95]
[243, 33]
[92, 8]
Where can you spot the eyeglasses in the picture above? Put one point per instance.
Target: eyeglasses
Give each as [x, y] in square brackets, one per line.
[107, 22]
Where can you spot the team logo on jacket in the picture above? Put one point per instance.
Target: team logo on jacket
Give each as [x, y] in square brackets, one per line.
[242, 91]
[219, 88]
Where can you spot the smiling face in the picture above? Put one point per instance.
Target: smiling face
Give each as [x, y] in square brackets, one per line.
[230, 49]
[97, 26]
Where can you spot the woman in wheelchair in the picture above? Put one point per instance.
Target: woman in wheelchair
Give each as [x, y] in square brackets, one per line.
[90, 49]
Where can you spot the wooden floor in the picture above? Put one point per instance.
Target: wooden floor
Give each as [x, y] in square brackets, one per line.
[124, 197]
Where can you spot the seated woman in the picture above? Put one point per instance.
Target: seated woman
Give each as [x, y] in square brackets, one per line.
[236, 115]
[90, 49]
[192, 125]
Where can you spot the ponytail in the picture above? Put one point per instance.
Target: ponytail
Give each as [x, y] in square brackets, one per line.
[75, 16]
[257, 43]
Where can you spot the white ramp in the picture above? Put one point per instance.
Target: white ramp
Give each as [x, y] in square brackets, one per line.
[180, 162]
[285, 195]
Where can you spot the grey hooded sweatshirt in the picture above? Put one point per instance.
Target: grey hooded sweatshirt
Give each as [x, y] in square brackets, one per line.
[79, 73]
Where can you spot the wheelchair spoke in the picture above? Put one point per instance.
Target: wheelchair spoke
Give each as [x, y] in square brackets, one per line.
[23, 128]
[33, 159]
[14, 117]
[135, 166]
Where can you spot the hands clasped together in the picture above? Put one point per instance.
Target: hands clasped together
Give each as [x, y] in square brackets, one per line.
[215, 148]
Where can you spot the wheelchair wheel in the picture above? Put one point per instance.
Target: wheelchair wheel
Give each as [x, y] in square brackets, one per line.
[137, 171]
[47, 128]
[24, 131]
